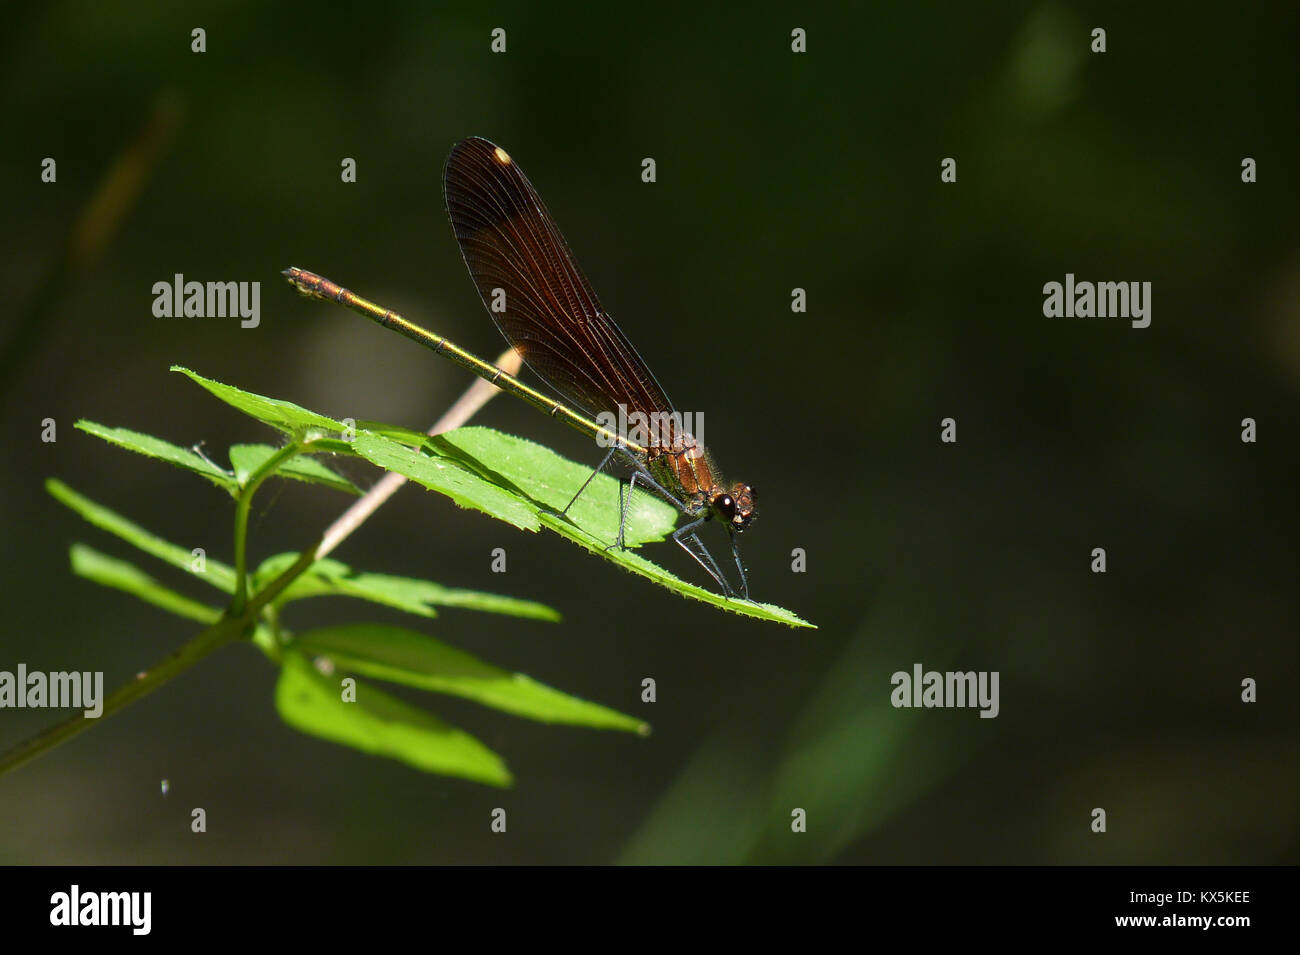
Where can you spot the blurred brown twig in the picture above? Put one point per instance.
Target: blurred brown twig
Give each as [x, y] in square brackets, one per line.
[99, 220]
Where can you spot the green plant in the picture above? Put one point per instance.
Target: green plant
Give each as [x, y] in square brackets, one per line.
[510, 479]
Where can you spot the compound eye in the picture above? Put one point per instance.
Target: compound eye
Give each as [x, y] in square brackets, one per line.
[725, 506]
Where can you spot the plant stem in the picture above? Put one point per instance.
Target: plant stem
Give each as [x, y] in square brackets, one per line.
[227, 630]
[243, 613]
[242, 507]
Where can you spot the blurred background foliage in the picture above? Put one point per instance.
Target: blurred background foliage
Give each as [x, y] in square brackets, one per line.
[775, 171]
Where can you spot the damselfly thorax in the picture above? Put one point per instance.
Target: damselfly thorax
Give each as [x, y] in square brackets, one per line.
[685, 469]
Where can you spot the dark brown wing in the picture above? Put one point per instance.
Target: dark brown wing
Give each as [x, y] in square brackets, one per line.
[552, 316]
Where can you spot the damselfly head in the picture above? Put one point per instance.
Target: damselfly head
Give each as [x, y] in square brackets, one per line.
[737, 508]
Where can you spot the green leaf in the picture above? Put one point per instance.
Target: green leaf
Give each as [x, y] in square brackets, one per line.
[153, 447]
[215, 573]
[530, 485]
[540, 475]
[549, 482]
[394, 432]
[332, 578]
[413, 659]
[381, 725]
[516, 481]
[120, 575]
[247, 458]
[285, 415]
[330, 446]
[653, 572]
[449, 477]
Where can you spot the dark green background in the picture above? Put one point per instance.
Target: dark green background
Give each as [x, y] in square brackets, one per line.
[775, 170]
